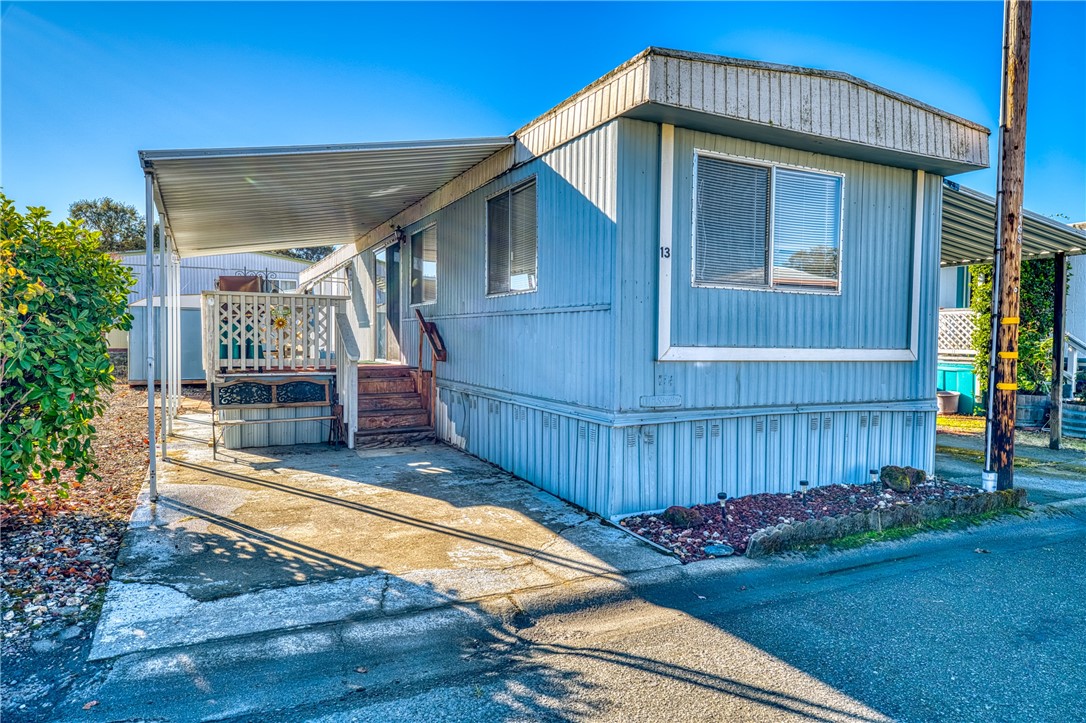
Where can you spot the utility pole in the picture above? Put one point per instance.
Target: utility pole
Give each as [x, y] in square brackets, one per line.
[1006, 278]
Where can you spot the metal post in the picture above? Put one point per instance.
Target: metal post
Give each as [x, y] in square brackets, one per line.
[163, 331]
[149, 329]
[1059, 293]
[1003, 358]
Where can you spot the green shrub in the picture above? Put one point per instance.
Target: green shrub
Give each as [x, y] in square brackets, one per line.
[61, 294]
[1036, 311]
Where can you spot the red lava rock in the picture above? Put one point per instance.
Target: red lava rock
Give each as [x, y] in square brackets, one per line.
[749, 514]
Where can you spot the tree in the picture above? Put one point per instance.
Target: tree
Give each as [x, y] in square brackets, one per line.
[313, 253]
[61, 294]
[122, 228]
[1036, 311]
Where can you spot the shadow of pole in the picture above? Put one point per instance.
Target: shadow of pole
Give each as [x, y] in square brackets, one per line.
[534, 553]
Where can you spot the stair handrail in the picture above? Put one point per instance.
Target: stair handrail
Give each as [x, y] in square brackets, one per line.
[347, 358]
[433, 336]
[438, 352]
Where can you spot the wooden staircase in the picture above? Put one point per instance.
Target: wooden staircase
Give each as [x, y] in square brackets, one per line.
[391, 410]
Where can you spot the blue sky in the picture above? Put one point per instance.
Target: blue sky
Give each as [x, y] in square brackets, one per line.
[85, 85]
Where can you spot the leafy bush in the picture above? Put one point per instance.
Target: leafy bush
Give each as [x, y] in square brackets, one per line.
[1036, 312]
[61, 294]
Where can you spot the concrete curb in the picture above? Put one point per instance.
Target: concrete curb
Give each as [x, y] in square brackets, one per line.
[786, 536]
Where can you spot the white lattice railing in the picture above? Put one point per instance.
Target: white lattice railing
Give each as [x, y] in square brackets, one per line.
[956, 331]
[268, 332]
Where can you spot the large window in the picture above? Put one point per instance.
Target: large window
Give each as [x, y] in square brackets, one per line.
[424, 266]
[766, 226]
[511, 241]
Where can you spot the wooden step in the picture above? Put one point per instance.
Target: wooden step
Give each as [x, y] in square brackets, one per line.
[398, 437]
[392, 419]
[372, 371]
[399, 400]
[385, 385]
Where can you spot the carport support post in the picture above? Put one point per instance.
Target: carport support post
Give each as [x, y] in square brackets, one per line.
[163, 326]
[149, 330]
[1059, 296]
[1003, 359]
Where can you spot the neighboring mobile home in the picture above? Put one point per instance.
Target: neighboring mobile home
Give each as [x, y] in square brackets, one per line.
[698, 274]
[194, 275]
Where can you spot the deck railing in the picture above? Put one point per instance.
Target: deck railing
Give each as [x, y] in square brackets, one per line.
[257, 332]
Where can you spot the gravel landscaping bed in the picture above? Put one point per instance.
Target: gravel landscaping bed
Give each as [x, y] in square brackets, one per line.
[58, 555]
[750, 514]
[58, 552]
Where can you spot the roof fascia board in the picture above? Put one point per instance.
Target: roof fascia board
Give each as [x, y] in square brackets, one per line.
[955, 144]
[148, 157]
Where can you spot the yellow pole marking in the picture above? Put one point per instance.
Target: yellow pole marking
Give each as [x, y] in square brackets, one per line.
[1008, 355]
[1009, 320]
[1007, 386]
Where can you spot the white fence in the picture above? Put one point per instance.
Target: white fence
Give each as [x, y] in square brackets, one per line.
[956, 332]
[268, 332]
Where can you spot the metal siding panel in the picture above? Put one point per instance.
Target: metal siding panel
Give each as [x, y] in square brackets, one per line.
[877, 220]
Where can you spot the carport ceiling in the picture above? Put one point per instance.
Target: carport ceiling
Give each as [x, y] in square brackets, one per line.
[259, 199]
[969, 230]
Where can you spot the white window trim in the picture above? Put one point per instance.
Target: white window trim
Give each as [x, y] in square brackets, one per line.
[411, 244]
[772, 202]
[666, 352]
[486, 239]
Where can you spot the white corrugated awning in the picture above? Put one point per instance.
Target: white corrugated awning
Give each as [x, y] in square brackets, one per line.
[257, 199]
[969, 230]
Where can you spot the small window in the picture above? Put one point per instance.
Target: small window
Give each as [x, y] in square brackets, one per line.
[511, 241]
[765, 226]
[424, 266]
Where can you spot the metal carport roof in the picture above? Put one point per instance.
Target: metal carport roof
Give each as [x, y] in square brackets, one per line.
[969, 230]
[257, 199]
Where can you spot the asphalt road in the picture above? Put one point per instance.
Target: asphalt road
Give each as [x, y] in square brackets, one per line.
[987, 624]
[984, 624]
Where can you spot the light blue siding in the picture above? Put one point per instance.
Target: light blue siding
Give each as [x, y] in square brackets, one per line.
[872, 312]
[548, 385]
[689, 462]
[551, 345]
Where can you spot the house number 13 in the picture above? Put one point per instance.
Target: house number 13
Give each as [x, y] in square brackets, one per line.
[665, 252]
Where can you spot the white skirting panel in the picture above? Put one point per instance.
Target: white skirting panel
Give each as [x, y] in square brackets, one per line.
[277, 433]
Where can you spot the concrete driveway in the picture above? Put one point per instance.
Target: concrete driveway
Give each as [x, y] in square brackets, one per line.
[284, 538]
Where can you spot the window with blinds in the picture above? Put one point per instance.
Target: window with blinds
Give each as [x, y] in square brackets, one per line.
[424, 266]
[511, 240]
[765, 226]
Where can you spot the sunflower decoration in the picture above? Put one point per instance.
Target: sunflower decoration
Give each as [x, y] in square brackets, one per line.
[279, 315]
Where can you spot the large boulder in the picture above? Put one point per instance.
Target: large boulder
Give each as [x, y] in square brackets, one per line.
[683, 517]
[901, 479]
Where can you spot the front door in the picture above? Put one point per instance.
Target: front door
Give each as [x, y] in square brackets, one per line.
[387, 306]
